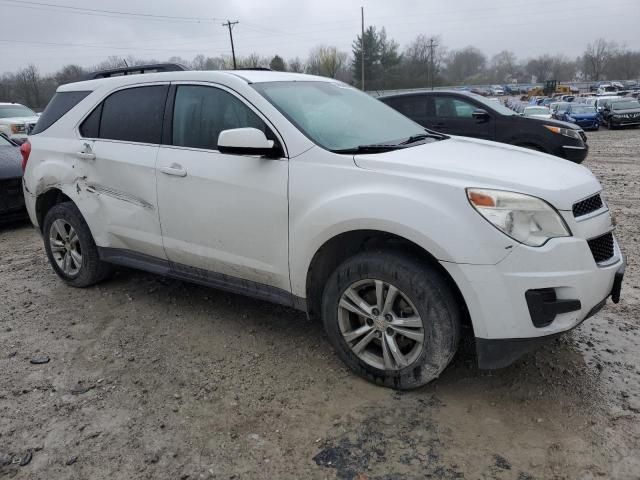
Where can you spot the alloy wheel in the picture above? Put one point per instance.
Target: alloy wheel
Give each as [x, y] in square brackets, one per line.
[380, 324]
[65, 247]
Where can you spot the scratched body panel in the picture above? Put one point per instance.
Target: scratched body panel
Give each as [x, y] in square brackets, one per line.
[120, 188]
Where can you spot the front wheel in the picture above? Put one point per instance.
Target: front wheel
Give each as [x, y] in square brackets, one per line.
[391, 318]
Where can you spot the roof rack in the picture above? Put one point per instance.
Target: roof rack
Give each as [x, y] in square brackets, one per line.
[135, 70]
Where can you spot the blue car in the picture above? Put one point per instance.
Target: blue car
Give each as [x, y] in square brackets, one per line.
[585, 116]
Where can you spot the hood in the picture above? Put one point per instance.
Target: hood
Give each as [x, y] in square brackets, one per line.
[552, 121]
[10, 162]
[583, 115]
[467, 162]
[622, 112]
[19, 120]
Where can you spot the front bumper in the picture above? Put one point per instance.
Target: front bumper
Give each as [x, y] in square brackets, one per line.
[624, 122]
[574, 153]
[496, 294]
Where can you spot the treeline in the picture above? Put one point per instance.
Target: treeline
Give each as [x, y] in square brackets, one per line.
[423, 62]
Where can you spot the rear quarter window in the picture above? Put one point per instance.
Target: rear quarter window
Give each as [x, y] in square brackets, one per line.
[59, 105]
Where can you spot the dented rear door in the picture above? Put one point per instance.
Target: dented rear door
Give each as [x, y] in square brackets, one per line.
[117, 169]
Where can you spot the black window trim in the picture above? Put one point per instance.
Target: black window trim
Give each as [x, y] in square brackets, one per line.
[107, 95]
[167, 130]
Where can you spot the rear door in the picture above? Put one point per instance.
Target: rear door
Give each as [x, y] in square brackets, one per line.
[416, 107]
[453, 115]
[117, 151]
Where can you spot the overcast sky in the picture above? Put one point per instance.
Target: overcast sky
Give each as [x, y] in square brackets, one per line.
[35, 31]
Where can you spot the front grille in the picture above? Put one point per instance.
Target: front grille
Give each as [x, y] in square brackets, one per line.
[583, 135]
[602, 247]
[11, 196]
[30, 127]
[587, 205]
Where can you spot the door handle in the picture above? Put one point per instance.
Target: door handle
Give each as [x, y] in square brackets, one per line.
[86, 155]
[175, 170]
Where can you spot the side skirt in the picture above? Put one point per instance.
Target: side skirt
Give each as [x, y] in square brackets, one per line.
[139, 261]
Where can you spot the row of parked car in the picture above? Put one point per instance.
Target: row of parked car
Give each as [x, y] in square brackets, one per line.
[588, 112]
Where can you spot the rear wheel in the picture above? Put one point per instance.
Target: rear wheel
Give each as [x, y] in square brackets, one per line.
[70, 247]
[391, 318]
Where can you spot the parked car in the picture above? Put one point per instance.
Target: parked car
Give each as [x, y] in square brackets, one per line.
[600, 101]
[536, 112]
[621, 113]
[606, 88]
[496, 90]
[11, 196]
[558, 110]
[16, 121]
[585, 116]
[307, 192]
[459, 113]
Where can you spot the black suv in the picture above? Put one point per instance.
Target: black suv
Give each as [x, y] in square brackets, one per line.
[623, 112]
[469, 115]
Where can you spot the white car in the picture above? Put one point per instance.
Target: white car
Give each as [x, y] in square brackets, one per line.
[304, 191]
[496, 90]
[536, 111]
[16, 121]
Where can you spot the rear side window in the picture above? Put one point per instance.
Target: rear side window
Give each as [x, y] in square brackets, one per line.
[59, 105]
[410, 106]
[131, 115]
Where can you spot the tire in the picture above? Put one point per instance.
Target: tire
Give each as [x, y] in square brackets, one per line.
[84, 270]
[420, 287]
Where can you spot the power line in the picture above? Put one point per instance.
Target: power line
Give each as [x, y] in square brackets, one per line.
[108, 13]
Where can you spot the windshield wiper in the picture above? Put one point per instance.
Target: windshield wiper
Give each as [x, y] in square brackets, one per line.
[423, 136]
[373, 148]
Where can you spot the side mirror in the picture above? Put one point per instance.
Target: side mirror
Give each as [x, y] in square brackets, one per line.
[247, 141]
[481, 115]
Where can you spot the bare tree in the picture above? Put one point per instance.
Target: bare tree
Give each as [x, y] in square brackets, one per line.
[596, 58]
[28, 86]
[296, 65]
[326, 61]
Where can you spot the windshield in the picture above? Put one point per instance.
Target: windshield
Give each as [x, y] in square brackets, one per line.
[337, 116]
[536, 111]
[562, 107]
[9, 111]
[582, 109]
[625, 105]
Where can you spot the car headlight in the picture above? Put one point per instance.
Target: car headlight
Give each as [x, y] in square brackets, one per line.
[524, 218]
[18, 128]
[567, 132]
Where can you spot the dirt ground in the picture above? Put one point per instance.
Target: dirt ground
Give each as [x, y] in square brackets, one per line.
[157, 379]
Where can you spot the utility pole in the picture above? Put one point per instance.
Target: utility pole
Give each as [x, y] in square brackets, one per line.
[432, 46]
[233, 51]
[362, 47]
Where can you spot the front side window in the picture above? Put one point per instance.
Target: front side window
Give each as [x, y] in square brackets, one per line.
[337, 117]
[200, 113]
[131, 115]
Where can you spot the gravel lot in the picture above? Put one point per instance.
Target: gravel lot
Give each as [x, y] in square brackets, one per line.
[154, 378]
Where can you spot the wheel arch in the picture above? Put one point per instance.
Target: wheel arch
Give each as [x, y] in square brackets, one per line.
[46, 200]
[342, 246]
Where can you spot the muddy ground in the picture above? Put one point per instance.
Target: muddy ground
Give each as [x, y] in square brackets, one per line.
[155, 378]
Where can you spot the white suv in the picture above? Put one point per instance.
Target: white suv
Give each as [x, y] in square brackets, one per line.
[307, 192]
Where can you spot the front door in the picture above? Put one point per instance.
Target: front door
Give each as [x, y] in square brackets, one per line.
[221, 213]
[454, 115]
